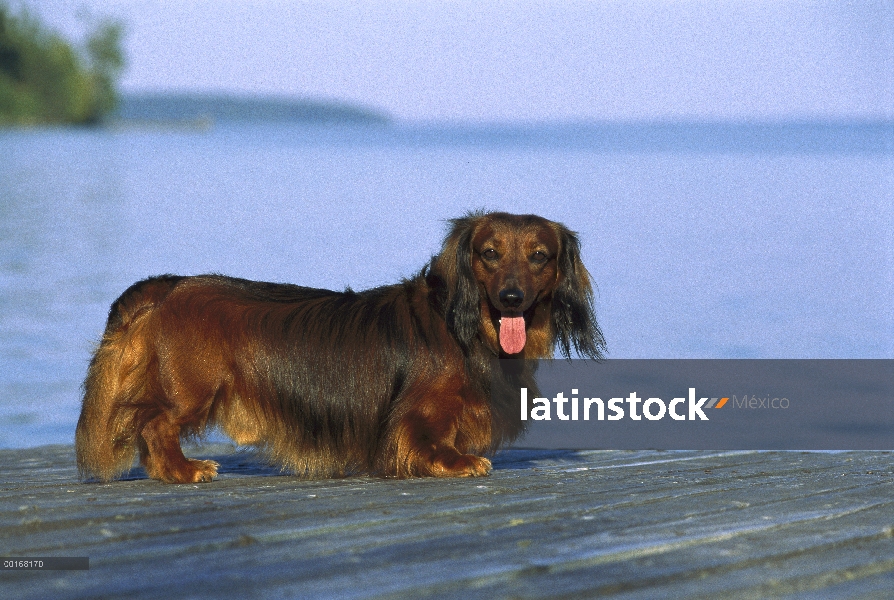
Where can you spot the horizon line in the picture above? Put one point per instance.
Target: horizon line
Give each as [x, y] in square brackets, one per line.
[384, 117]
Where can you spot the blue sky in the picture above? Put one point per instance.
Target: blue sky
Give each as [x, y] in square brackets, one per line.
[518, 60]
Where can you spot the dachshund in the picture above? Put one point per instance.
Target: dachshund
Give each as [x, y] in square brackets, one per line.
[407, 380]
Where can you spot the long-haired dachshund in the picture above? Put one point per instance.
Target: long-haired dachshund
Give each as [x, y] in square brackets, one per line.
[399, 381]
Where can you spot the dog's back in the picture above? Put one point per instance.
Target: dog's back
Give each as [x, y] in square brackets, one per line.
[305, 374]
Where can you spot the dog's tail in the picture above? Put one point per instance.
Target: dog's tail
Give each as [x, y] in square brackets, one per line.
[118, 384]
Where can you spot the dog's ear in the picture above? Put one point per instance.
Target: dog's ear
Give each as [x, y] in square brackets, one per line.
[453, 266]
[574, 320]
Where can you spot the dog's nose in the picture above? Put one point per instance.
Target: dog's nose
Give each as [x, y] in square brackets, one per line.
[512, 297]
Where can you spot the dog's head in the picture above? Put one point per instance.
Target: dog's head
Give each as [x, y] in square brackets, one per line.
[517, 281]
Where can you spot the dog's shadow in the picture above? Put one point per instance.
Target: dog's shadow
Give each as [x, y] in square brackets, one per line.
[249, 462]
[530, 458]
[241, 462]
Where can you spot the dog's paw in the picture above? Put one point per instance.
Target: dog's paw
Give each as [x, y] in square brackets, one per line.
[461, 465]
[190, 471]
[479, 466]
[205, 471]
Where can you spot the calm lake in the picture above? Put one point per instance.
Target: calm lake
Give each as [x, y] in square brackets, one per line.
[705, 242]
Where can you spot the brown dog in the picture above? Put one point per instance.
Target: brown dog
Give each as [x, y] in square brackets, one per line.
[398, 380]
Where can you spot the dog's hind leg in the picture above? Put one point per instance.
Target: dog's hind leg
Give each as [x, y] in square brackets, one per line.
[162, 456]
[179, 412]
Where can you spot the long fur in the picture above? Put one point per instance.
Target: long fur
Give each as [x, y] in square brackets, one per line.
[399, 381]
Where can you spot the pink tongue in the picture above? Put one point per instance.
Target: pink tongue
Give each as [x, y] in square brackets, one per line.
[512, 334]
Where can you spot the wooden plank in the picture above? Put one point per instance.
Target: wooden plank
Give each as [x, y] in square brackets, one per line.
[545, 524]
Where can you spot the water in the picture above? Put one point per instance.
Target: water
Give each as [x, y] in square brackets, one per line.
[751, 243]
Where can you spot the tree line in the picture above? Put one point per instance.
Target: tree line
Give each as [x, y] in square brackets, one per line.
[45, 79]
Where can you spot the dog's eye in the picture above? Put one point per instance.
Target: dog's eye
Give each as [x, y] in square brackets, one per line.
[490, 254]
[539, 257]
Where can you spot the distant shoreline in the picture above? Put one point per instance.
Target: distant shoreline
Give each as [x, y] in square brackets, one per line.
[334, 122]
[204, 110]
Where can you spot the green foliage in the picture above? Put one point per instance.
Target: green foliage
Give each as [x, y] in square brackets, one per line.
[107, 62]
[44, 79]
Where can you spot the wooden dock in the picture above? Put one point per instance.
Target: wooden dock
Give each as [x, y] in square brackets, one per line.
[545, 524]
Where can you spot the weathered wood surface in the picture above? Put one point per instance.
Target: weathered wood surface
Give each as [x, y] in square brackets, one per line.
[544, 524]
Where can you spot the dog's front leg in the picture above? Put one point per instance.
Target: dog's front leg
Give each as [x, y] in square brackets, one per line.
[435, 438]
